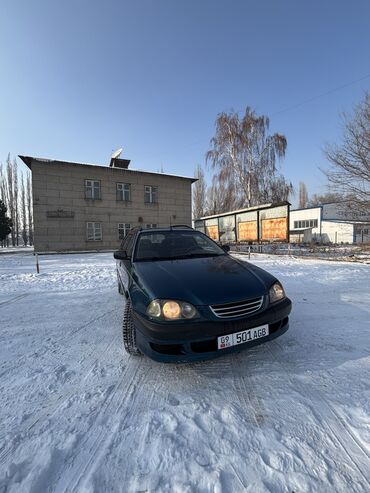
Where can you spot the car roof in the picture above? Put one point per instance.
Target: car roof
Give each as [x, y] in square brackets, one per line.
[175, 227]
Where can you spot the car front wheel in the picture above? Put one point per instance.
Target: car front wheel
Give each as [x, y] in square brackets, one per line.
[129, 331]
[119, 285]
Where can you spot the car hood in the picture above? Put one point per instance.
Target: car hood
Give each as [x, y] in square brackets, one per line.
[202, 281]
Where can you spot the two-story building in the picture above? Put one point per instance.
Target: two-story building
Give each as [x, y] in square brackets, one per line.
[81, 206]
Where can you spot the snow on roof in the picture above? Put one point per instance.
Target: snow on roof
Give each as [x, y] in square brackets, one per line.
[306, 208]
[347, 221]
[247, 209]
[28, 161]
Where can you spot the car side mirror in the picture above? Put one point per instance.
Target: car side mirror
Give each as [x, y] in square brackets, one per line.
[226, 248]
[120, 255]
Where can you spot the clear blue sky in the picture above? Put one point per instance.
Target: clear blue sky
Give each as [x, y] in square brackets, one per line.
[80, 78]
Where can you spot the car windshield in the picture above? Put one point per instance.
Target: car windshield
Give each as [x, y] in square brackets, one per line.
[174, 244]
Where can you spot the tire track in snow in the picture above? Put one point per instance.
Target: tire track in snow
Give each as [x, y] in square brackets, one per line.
[57, 402]
[225, 366]
[147, 389]
[45, 349]
[246, 388]
[83, 369]
[101, 431]
[162, 390]
[342, 435]
[65, 396]
[13, 300]
[319, 396]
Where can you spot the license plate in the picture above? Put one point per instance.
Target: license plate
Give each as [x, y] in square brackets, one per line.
[242, 337]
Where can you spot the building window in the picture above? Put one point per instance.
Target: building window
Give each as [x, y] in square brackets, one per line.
[151, 226]
[92, 189]
[150, 194]
[310, 223]
[123, 229]
[94, 231]
[123, 192]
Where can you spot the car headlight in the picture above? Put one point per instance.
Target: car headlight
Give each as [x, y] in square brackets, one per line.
[154, 309]
[171, 310]
[276, 292]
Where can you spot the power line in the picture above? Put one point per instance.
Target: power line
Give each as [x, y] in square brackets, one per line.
[338, 88]
[298, 105]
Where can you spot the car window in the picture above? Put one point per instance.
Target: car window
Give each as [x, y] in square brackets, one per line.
[174, 244]
[123, 242]
[127, 242]
[130, 244]
[203, 243]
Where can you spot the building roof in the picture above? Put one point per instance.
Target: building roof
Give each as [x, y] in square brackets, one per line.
[28, 162]
[322, 205]
[306, 208]
[346, 221]
[248, 209]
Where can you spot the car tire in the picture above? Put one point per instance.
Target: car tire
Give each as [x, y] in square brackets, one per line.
[120, 288]
[129, 331]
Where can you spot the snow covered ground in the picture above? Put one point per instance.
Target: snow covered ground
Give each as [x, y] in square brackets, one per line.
[78, 415]
[16, 249]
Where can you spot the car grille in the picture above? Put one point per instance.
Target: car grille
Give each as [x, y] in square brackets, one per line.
[238, 309]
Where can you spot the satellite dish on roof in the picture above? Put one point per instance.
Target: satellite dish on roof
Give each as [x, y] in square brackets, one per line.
[116, 153]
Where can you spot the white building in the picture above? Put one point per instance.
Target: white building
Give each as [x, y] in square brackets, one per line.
[329, 223]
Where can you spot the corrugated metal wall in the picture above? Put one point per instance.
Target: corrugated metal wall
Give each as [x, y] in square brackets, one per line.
[264, 224]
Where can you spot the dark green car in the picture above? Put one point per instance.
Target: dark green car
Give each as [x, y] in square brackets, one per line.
[188, 299]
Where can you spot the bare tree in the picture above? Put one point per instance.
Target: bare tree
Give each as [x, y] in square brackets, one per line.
[220, 197]
[199, 193]
[326, 198]
[10, 187]
[4, 193]
[303, 195]
[29, 208]
[349, 172]
[245, 157]
[18, 201]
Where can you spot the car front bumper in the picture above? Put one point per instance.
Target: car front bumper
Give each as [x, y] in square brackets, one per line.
[191, 341]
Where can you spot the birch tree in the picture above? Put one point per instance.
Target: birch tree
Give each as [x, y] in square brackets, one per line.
[220, 197]
[245, 156]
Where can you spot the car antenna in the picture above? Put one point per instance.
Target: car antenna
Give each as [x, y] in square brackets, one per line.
[170, 223]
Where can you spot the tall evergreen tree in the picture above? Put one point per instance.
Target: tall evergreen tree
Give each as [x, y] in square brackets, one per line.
[303, 195]
[199, 193]
[5, 222]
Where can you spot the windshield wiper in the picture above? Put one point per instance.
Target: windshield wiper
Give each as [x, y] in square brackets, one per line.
[179, 257]
[195, 255]
[148, 259]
